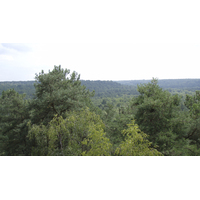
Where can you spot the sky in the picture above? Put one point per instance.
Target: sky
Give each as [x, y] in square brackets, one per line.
[107, 40]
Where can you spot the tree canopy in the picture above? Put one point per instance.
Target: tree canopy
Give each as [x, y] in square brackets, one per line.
[56, 93]
[63, 118]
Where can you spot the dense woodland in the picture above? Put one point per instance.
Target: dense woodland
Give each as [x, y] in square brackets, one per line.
[60, 114]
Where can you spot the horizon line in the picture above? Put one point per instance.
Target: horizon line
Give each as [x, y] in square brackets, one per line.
[120, 80]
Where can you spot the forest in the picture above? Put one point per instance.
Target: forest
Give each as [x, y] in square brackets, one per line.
[59, 114]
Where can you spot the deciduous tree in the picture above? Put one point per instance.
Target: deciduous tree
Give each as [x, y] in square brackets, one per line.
[135, 143]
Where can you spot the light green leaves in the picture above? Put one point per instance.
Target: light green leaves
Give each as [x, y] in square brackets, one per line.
[97, 141]
[136, 143]
[81, 131]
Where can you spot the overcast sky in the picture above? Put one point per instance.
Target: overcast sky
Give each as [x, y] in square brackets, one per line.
[109, 40]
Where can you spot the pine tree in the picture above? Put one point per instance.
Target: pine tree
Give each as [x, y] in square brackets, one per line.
[57, 93]
[155, 111]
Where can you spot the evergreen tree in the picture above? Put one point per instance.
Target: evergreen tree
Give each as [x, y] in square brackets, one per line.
[56, 93]
[13, 119]
[155, 110]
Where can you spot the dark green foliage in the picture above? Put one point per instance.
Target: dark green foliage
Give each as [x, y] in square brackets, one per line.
[13, 118]
[193, 105]
[190, 84]
[101, 88]
[112, 88]
[116, 114]
[157, 114]
[109, 88]
[55, 93]
[21, 87]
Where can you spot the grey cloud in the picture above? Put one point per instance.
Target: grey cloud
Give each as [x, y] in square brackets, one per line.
[20, 47]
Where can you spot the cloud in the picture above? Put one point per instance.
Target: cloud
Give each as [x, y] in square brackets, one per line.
[14, 46]
[5, 57]
[3, 50]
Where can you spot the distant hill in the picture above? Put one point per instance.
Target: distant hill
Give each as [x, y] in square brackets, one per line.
[102, 88]
[110, 88]
[20, 87]
[186, 84]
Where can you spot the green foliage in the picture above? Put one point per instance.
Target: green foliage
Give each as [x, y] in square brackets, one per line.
[56, 93]
[82, 133]
[135, 143]
[183, 147]
[21, 87]
[39, 134]
[64, 118]
[155, 111]
[193, 105]
[115, 113]
[178, 84]
[113, 89]
[98, 143]
[65, 136]
[115, 127]
[13, 118]
[109, 88]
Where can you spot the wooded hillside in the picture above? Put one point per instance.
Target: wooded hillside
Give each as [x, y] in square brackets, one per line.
[187, 84]
[110, 88]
